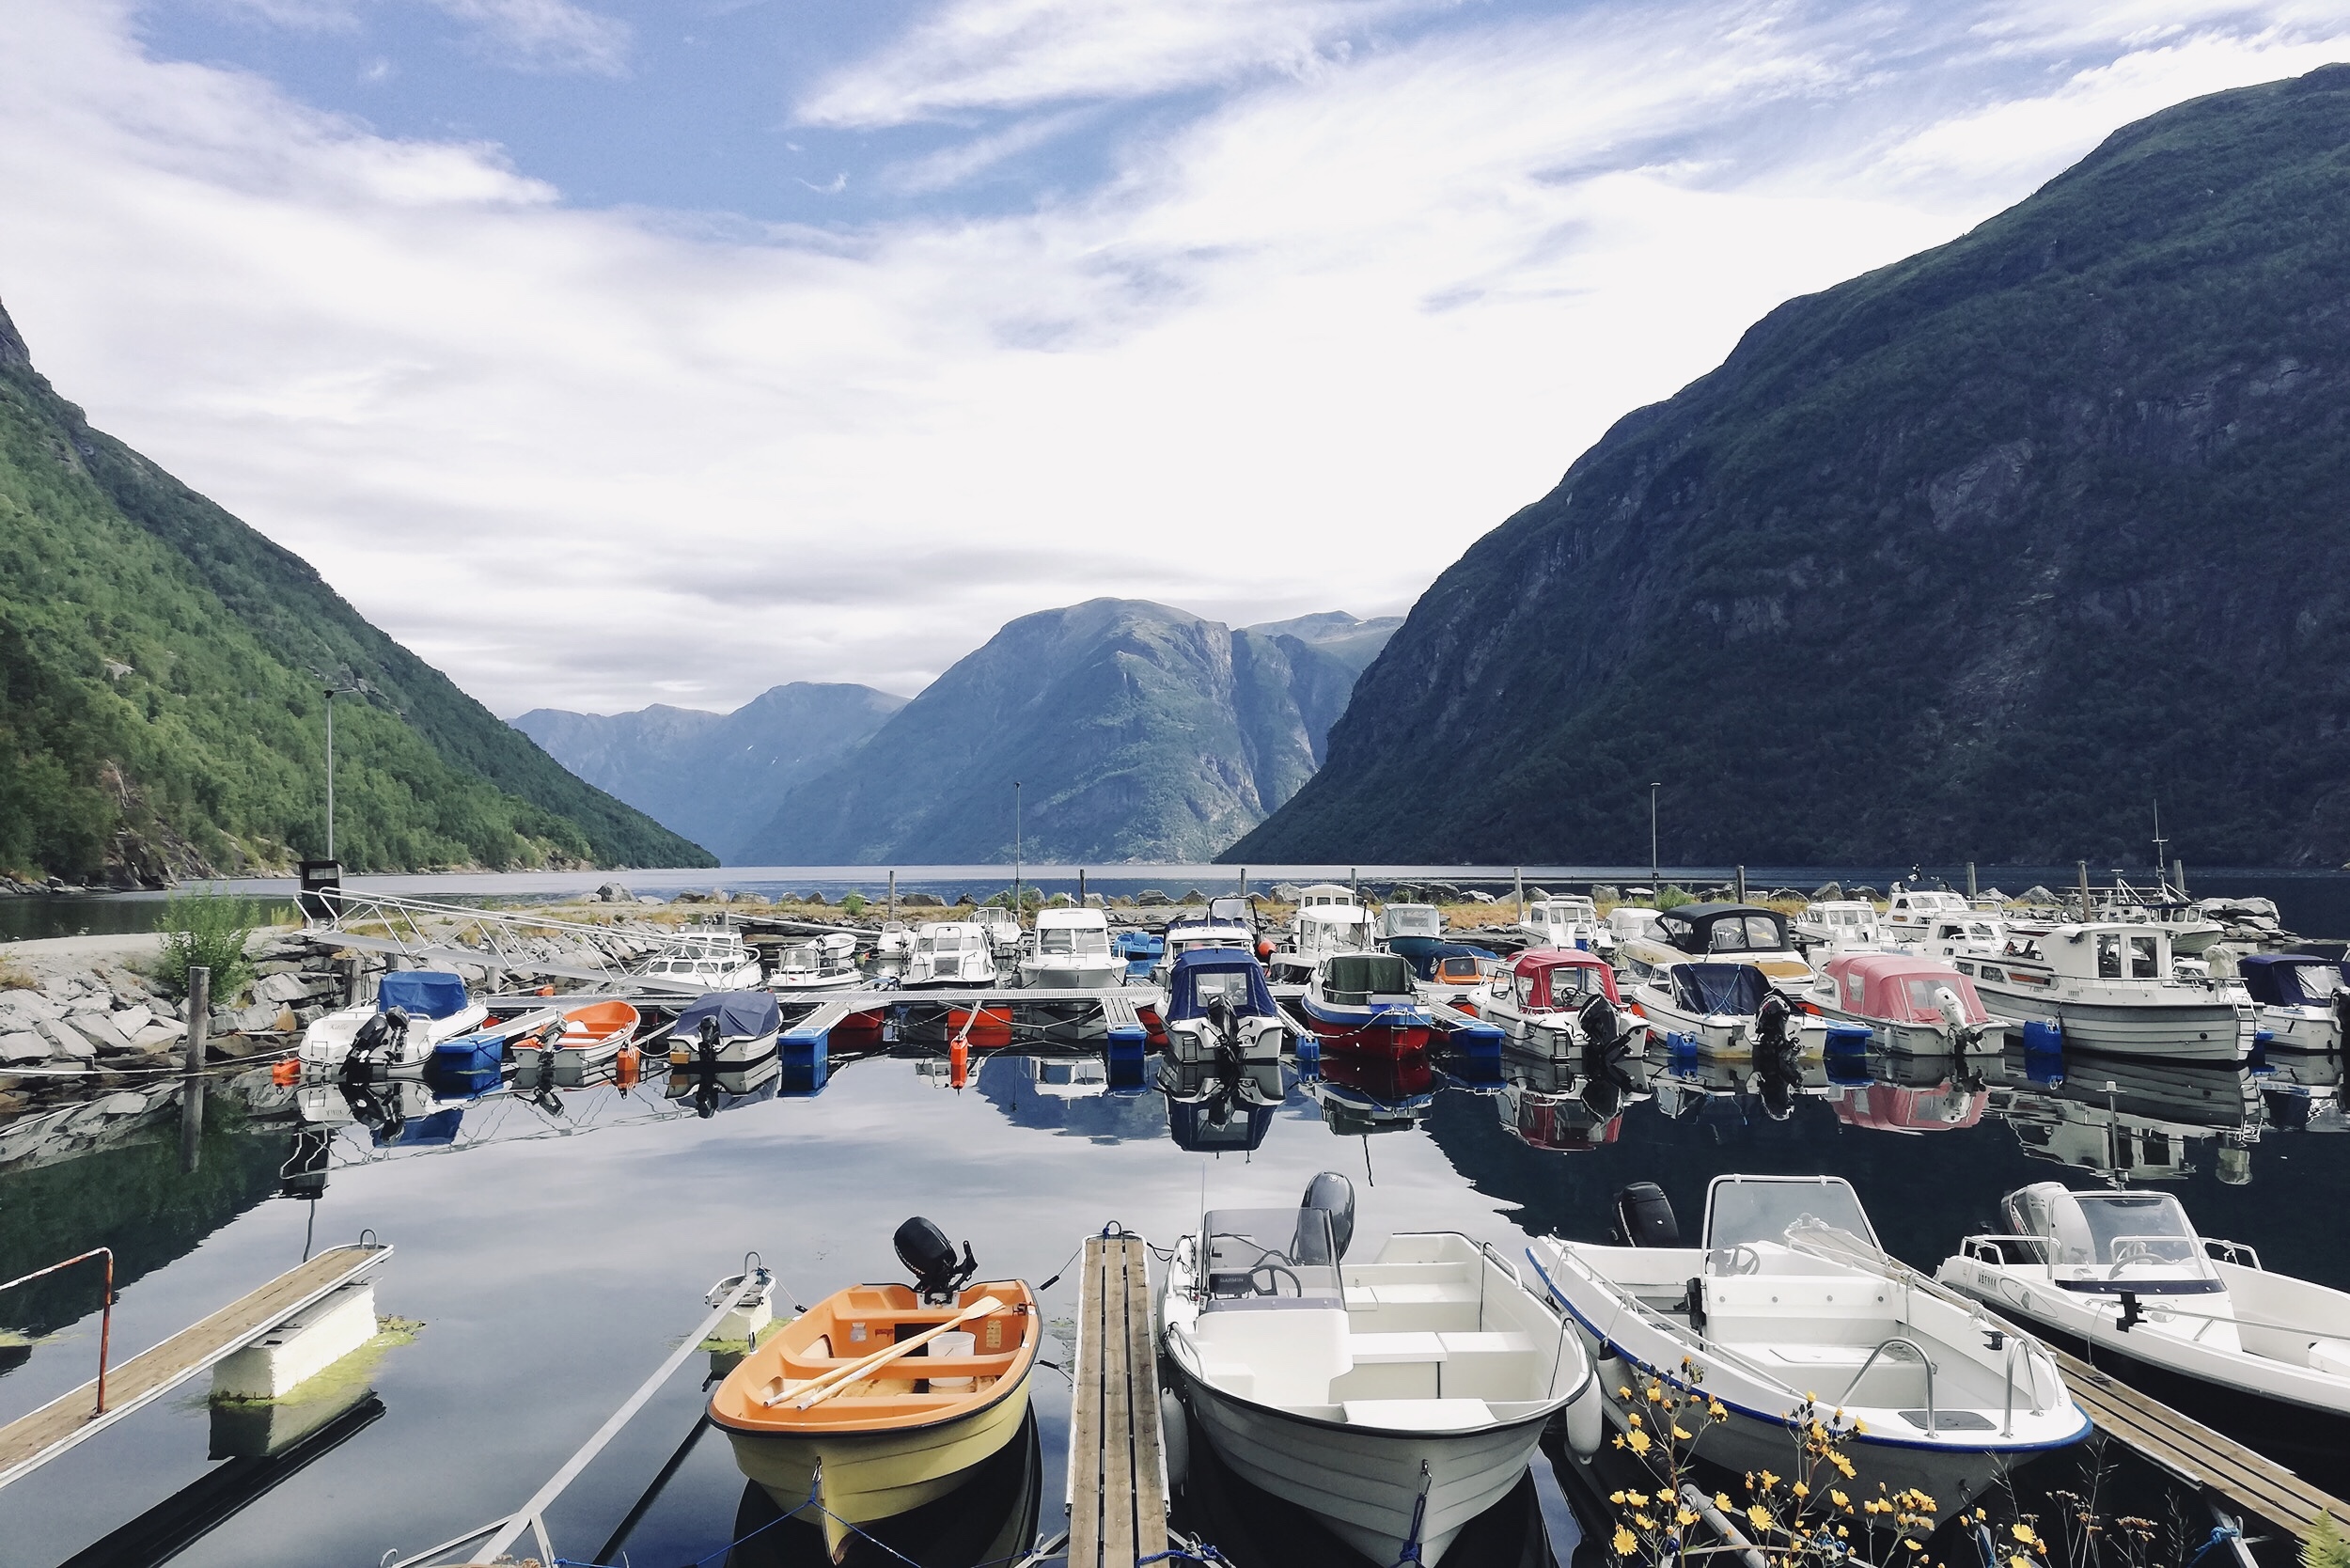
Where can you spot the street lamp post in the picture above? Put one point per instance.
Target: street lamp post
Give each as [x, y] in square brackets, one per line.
[330, 772]
[1654, 880]
[1016, 901]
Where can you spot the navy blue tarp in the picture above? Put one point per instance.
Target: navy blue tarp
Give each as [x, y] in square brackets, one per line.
[741, 1014]
[2276, 980]
[422, 992]
[1184, 998]
[1737, 989]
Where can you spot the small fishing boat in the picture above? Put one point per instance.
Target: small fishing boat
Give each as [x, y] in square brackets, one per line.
[1318, 934]
[1071, 952]
[725, 1030]
[881, 1398]
[1458, 975]
[2301, 999]
[1912, 913]
[1838, 926]
[584, 1039]
[1790, 1308]
[1188, 932]
[1394, 1399]
[1728, 1010]
[709, 958]
[2112, 988]
[827, 963]
[1002, 926]
[1218, 1008]
[1552, 1001]
[1363, 1003]
[414, 1011]
[1567, 921]
[1911, 1006]
[952, 952]
[1716, 934]
[2123, 1278]
[1414, 931]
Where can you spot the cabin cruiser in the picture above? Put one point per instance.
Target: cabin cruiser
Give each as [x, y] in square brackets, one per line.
[2125, 1277]
[1840, 926]
[1317, 934]
[1789, 1308]
[709, 958]
[1717, 933]
[1328, 895]
[1218, 1008]
[1364, 1002]
[2192, 931]
[1911, 913]
[952, 952]
[1188, 932]
[828, 963]
[1395, 1398]
[1570, 922]
[1911, 1006]
[1629, 922]
[1552, 1002]
[2300, 1000]
[1071, 952]
[1412, 931]
[1001, 924]
[2112, 989]
[1728, 1010]
[414, 1011]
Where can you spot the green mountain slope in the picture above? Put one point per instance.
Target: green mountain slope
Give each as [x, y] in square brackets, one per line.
[1969, 557]
[161, 675]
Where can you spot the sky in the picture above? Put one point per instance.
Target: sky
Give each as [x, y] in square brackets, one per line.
[608, 353]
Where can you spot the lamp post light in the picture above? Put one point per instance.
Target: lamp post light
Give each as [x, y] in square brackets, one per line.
[1017, 902]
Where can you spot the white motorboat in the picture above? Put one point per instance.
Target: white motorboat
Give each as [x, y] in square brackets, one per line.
[708, 958]
[1911, 1006]
[1318, 933]
[952, 952]
[1568, 921]
[2112, 988]
[1629, 922]
[827, 963]
[1218, 1008]
[1911, 914]
[2301, 999]
[1069, 1078]
[725, 1030]
[1840, 926]
[1193, 932]
[1789, 1308]
[1002, 925]
[1352, 1388]
[1543, 1003]
[2123, 1275]
[1716, 934]
[1728, 1010]
[1071, 952]
[430, 1005]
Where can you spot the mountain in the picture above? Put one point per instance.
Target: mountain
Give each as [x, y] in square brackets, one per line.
[162, 671]
[714, 778]
[1138, 732]
[1973, 557]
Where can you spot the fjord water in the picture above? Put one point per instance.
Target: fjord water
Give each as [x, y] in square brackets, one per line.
[554, 1258]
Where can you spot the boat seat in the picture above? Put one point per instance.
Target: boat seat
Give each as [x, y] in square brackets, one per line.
[2330, 1355]
[1486, 1345]
[1418, 1415]
[1782, 1295]
[1369, 1350]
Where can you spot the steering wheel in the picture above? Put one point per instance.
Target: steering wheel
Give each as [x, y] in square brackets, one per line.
[2135, 1250]
[1741, 1259]
[1274, 1272]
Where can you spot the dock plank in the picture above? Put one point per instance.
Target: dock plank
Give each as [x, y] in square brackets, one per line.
[1085, 1433]
[32, 1441]
[1117, 1442]
[2196, 1453]
[1117, 1491]
[1142, 1363]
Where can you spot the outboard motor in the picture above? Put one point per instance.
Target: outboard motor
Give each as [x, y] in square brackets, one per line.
[382, 1035]
[1335, 1194]
[1774, 1026]
[2341, 1015]
[1602, 1027]
[1775, 1085]
[1644, 1216]
[1954, 1011]
[938, 1276]
[1227, 1026]
[708, 1042]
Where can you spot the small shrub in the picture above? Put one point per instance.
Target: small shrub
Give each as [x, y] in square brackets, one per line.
[15, 977]
[199, 930]
[853, 904]
[1672, 897]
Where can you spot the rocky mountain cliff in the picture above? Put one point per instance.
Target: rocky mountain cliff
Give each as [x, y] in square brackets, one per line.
[1972, 557]
[714, 778]
[1138, 732]
[161, 675]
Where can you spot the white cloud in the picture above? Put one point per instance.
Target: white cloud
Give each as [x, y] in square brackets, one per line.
[1295, 352]
[533, 35]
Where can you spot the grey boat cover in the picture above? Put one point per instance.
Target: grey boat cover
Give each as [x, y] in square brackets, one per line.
[741, 1015]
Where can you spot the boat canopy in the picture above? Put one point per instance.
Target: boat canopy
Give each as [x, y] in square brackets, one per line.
[741, 1015]
[422, 992]
[2291, 979]
[1724, 928]
[1737, 989]
[2105, 1227]
[1747, 1209]
[1555, 977]
[1901, 989]
[1204, 974]
[1411, 919]
[1233, 907]
[1358, 977]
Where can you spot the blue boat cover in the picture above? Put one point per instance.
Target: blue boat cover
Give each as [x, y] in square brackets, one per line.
[422, 992]
[1737, 989]
[2275, 979]
[1183, 990]
[741, 1014]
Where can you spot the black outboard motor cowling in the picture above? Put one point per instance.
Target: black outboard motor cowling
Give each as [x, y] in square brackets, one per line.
[923, 1247]
[1644, 1216]
[1335, 1194]
[1774, 1025]
[382, 1034]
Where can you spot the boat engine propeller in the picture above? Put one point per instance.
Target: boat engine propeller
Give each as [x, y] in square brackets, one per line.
[384, 1033]
[1774, 1026]
[938, 1276]
[1335, 1194]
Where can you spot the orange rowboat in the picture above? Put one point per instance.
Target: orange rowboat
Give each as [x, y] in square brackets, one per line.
[590, 1036]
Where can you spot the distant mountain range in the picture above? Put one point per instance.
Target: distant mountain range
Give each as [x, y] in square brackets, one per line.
[1137, 732]
[161, 671]
[714, 778]
[1974, 557]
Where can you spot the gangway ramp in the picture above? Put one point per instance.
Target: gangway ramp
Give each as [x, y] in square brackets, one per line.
[1117, 1474]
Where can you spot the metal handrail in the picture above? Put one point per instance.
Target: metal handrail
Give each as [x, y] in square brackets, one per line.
[1659, 1321]
[106, 1309]
[1934, 1421]
[2233, 1252]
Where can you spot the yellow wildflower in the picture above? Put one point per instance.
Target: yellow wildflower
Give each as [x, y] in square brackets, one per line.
[1644, 1521]
[1801, 1490]
[1656, 1393]
[1839, 1499]
[2023, 1533]
[1633, 1421]
[1769, 1480]
[1759, 1516]
[1721, 1500]
[1843, 1534]
[1625, 1542]
[2019, 1560]
[1685, 1518]
[1718, 1411]
[1638, 1441]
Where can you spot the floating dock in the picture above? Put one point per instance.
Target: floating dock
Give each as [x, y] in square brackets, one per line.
[31, 1441]
[1117, 1471]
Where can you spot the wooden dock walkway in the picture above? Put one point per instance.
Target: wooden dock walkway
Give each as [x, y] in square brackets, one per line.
[2197, 1455]
[31, 1441]
[1116, 1479]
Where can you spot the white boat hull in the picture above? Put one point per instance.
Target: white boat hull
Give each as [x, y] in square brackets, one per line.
[2187, 1031]
[1080, 975]
[734, 1051]
[1905, 1039]
[328, 1041]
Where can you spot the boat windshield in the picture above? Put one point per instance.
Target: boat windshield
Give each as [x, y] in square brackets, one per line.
[1746, 1209]
[1064, 939]
[1272, 1258]
[939, 939]
[1230, 984]
[2129, 1227]
[1754, 934]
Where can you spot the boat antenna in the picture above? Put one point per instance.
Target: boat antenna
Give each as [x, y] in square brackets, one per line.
[2162, 845]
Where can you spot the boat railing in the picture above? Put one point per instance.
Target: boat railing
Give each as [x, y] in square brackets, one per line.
[1650, 1317]
[1992, 1248]
[1904, 1342]
[2242, 1254]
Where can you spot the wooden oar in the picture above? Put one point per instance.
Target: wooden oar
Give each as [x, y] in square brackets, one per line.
[818, 1389]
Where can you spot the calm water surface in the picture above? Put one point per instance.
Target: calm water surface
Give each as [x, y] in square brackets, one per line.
[556, 1258]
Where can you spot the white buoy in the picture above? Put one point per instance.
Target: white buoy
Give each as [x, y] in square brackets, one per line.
[1174, 1439]
[300, 1348]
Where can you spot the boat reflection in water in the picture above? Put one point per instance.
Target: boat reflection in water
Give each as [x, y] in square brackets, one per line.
[2144, 1120]
[1731, 1090]
[1221, 1107]
[1573, 1105]
[989, 1518]
[1362, 1093]
[709, 1090]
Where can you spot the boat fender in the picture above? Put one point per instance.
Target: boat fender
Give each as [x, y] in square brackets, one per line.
[1587, 1421]
[1174, 1439]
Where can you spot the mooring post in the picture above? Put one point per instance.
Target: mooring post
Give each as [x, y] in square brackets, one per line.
[1742, 884]
[199, 1014]
[893, 895]
[1970, 881]
[1081, 888]
[349, 969]
[2084, 870]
